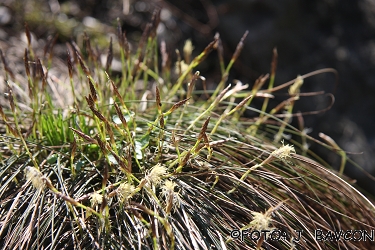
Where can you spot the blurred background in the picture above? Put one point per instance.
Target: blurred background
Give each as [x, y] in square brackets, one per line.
[308, 35]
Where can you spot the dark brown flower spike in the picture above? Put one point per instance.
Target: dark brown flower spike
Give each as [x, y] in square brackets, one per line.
[93, 92]
[109, 57]
[84, 136]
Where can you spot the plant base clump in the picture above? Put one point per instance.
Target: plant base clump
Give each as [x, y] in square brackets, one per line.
[142, 161]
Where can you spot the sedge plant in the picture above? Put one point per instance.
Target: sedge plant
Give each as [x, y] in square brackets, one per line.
[139, 160]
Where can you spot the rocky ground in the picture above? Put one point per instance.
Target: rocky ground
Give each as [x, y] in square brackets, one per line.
[308, 36]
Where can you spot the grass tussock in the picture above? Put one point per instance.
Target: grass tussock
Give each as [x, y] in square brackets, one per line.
[141, 159]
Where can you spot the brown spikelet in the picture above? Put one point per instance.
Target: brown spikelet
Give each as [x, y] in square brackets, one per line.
[158, 101]
[90, 100]
[120, 34]
[12, 130]
[165, 61]
[220, 50]
[26, 61]
[173, 138]
[126, 47]
[2, 113]
[11, 97]
[92, 90]
[34, 70]
[162, 122]
[222, 93]
[121, 162]
[155, 22]
[87, 44]
[239, 46]
[97, 113]
[115, 90]
[84, 136]
[176, 106]
[6, 67]
[199, 147]
[144, 37]
[242, 103]
[260, 81]
[75, 47]
[185, 160]
[69, 62]
[117, 158]
[40, 70]
[274, 62]
[120, 115]
[28, 35]
[211, 46]
[27, 69]
[101, 144]
[48, 48]
[110, 132]
[192, 83]
[82, 63]
[204, 128]
[109, 57]
[208, 146]
[89, 49]
[72, 52]
[206, 141]
[179, 104]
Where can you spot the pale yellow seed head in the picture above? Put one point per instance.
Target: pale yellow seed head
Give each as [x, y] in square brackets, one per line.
[261, 221]
[168, 187]
[184, 66]
[35, 176]
[154, 177]
[170, 195]
[283, 153]
[294, 89]
[96, 198]
[188, 48]
[125, 191]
